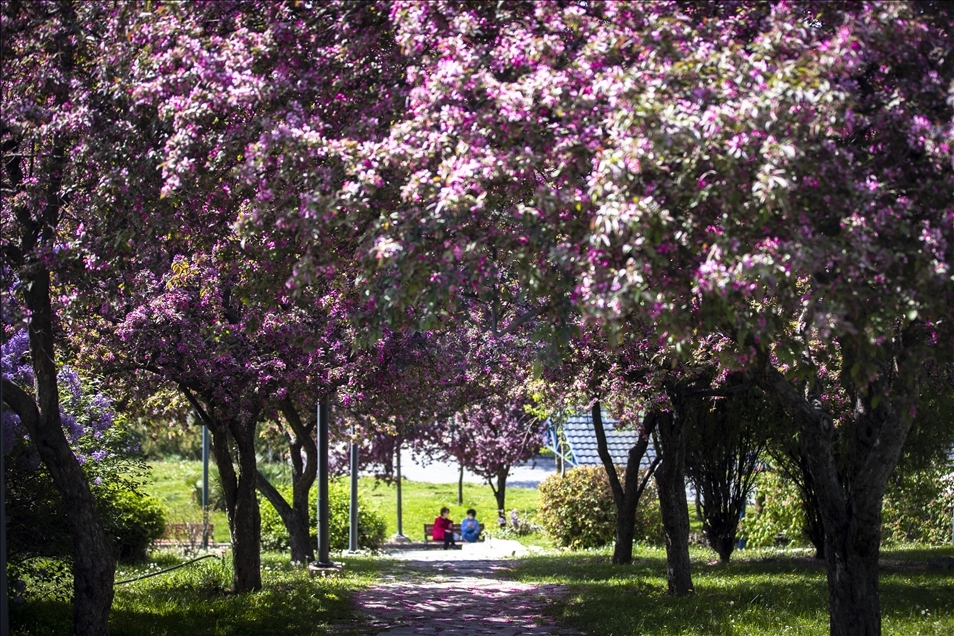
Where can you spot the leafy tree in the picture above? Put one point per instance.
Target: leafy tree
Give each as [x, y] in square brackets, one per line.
[725, 443]
[491, 437]
[727, 172]
[74, 177]
[716, 171]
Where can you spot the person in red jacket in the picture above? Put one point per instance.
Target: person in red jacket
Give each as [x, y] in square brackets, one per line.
[444, 529]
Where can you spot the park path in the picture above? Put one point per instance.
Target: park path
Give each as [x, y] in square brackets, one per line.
[437, 593]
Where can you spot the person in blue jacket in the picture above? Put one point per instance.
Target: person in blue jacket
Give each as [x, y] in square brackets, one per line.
[470, 527]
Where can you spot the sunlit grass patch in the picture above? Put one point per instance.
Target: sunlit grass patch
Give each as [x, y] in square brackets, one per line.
[759, 592]
[196, 600]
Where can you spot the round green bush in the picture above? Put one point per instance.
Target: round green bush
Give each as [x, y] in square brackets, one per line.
[778, 514]
[132, 520]
[577, 510]
[371, 525]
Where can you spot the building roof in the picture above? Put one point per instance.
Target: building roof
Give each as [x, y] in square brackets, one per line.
[581, 438]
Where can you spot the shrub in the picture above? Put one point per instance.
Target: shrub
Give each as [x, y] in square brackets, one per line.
[917, 506]
[38, 526]
[917, 509]
[778, 515]
[577, 510]
[216, 494]
[132, 520]
[371, 525]
[515, 526]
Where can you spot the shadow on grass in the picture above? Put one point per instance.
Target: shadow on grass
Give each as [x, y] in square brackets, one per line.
[755, 594]
[196, 601]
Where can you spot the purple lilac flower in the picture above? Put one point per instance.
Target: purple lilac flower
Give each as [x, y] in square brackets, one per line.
[72, 427]
[13, 359]
[71, 380]
[103, 416]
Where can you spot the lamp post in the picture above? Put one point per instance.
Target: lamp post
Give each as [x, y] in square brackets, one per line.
[353, 533]
[323, 421]
[205, 487]
[4, 610]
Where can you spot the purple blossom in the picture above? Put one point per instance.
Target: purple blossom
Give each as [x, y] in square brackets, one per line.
[15, 366]
[73, 428]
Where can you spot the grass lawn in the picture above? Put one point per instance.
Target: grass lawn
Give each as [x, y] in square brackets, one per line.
[759, 592]
[421, 502]
[192, 600]
[172, 482]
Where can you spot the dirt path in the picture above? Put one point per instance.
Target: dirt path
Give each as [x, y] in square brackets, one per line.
[439, 593]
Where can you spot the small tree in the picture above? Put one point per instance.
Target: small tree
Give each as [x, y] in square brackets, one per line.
[492, 437]
[725, 441]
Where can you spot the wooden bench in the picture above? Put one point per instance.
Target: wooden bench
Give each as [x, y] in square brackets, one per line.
[429, 533]
[188, 533]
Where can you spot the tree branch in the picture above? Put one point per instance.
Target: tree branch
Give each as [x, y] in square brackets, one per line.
[603, 451]
[21, 403]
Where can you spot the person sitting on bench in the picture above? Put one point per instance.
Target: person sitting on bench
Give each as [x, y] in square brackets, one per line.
[444, 529]
[470, 527]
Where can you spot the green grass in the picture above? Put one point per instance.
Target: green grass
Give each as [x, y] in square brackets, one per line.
[421, 502]
[193, 600]
[759, 592]
[172, 482]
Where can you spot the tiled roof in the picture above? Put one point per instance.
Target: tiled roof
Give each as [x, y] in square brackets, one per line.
[579, 434]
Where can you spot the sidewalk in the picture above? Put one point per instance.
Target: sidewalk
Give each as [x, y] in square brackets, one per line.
[463, 592]
[491, 549]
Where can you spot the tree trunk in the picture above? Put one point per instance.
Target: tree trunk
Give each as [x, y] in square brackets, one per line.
[241, 504]
[671, 483]
[296, 517]
[460, 486]
[246, 527]
[299, 536]
[500, 490]
[94, 563]
[625, 496]
[850, 503]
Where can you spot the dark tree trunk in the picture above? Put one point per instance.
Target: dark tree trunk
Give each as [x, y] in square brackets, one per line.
[296, 517]
[460, 486]
[94, 562]
[297, 524]
[850, 503]
[241, 505]
[626, 496]
[500, 489]
[671, 483]
[245, 521]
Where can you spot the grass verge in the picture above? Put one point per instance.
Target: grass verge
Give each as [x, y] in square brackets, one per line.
[195, 600]
[759, 592]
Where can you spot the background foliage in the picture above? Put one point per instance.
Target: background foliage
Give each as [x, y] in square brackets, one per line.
[577, 510]
[371, 525]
